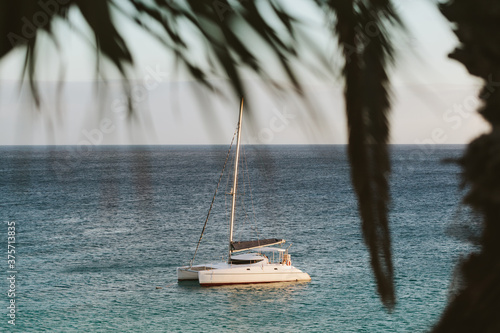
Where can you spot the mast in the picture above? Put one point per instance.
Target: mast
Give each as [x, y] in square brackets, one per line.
[235, 181]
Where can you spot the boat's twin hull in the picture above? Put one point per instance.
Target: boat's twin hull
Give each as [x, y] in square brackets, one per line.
[185, 274]
[244, 274]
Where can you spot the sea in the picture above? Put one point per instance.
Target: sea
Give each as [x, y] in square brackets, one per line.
[99, 232]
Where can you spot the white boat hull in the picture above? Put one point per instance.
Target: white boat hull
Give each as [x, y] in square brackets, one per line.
[188, 273]
[226, 274]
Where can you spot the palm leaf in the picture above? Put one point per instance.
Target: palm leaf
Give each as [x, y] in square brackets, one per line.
[365, 73]
[367, 105]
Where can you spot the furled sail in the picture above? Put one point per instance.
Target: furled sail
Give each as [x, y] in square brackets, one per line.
[253, 244]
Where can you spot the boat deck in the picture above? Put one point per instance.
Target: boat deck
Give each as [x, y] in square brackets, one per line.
[200, 268]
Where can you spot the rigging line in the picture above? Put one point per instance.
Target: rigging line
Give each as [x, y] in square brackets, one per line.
[241, 199]
[251, 197]
[226, 190]
[213, 199]
[243, 202]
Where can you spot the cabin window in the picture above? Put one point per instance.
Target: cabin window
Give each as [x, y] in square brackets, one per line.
[244, 262]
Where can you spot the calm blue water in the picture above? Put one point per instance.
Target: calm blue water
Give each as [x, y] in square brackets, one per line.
[98, 231]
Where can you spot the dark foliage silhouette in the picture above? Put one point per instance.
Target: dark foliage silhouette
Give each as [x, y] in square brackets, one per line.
[475, 308]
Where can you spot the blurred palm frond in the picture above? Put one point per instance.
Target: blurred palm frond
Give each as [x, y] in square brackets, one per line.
[363, 30]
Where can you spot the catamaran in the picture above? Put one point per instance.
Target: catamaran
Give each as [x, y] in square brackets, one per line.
[250, 266]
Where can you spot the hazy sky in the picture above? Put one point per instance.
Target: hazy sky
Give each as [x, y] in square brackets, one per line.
[434, 97]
